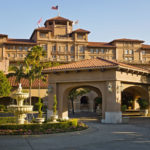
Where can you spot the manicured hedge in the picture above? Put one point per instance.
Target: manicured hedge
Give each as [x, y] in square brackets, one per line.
[45, 128]
[6, 120]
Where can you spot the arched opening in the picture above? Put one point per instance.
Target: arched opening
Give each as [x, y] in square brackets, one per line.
[130, 98]
[82, 103]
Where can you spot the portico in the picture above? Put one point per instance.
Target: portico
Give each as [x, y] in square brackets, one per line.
[107, 78]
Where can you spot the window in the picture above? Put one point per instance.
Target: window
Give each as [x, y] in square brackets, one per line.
[42, 35]
[144, 59]
[81, 49]
[126, 51]
[44, 47]
[14, 47]
[54, 48]
[66, 48]
[13, 55]
[97, 51]
[66, 57]
[92, 50]
[20, 55]
[102, 51]
[72, 57]
[26, 48]
[54, 56]
[72, 49]
[143, 52]
[130, 51]
[80, 36]
[81, 57]
[126, 58]
[91, 57]
[8, 55]
[130, 58]
[8, 47]
[20, 48]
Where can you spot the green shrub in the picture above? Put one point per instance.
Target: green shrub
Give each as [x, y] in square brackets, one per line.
[123, 108]
[143, 103]
[98, 100]
[6, 120]
[55, 105]
[2, 107]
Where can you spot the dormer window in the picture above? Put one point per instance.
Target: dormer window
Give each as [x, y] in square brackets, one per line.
[43, 35]
[80, 37]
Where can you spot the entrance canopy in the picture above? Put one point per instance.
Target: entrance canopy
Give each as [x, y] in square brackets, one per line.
[104, 76]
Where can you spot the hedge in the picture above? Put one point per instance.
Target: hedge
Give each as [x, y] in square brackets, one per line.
[45, 128]
[6, 120]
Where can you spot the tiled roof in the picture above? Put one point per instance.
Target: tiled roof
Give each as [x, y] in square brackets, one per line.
[127, 40]
[145, 46]
[96, 63]
[58, 18]
[43, 29]
[20, 41]
[25, 83]
[81, 31]
[3, 35]
[100, 44]
[40, 29]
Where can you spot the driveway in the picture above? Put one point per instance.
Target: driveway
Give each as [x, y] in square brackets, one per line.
[99, 136]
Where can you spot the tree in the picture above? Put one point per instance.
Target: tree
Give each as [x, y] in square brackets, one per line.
[74, 93]
[18, 72]
[4, 85]
[34, 66]
[55, 105]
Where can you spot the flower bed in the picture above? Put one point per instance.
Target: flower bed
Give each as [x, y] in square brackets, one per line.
[45, 128]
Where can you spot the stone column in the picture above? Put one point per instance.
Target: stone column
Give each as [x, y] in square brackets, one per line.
[112, 99]
[149, 100]
[62, 104]
[51, 93]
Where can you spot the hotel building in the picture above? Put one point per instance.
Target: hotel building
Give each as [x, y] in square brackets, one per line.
[63, 44]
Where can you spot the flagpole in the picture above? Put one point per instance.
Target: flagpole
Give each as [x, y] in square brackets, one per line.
[58, 12]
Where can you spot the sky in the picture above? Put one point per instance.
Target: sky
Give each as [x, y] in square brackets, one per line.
[105, 19]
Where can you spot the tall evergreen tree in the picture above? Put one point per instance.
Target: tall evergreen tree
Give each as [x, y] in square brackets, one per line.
[4, 85]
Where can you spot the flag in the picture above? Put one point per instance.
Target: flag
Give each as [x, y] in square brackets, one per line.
[55, 7]
[76, 22]
[38, 23]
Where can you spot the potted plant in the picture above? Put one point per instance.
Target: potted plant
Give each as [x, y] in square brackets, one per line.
[130, 102]
[54, 117]
[143, 103]
[98, 101]
[40, 118]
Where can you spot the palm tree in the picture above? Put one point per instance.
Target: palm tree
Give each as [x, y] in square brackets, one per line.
[18, 72]
[34, 66]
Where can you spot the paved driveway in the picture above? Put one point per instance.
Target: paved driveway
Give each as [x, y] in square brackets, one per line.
[98, 136]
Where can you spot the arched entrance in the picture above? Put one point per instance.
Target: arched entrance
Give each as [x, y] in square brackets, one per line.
[131, 94]
[81, 103]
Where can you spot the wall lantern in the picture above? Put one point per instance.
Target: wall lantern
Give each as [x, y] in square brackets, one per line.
[110, 87]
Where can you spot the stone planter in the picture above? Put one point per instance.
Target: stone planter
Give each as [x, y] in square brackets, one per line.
[144, 112]
[54, 118]
[40, 120]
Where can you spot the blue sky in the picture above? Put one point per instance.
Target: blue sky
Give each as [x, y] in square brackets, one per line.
[106, 19]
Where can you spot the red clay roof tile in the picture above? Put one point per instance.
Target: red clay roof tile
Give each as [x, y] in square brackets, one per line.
[100, 44]
[127, 40]
[81, 31]
[92, 64]
[25, 83]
